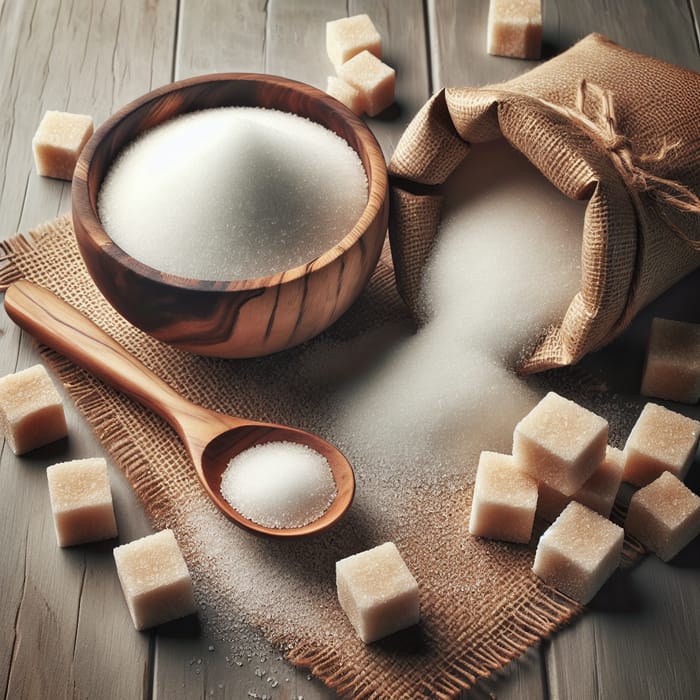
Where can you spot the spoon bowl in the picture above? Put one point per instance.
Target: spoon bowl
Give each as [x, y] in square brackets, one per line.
[211, 438]
[221, 449]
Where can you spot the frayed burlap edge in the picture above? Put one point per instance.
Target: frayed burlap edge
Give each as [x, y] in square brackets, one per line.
[537, 617]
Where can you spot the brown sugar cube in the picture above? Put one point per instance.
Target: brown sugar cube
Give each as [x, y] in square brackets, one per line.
[661, 440]
[514, 28]
[31, 411]
[597, 493]
[155, 580]
[81, 501]
[58, 142]
[560, 443]
[578, 552]
[348, 94]
[664, 516]
[504, 501]
[378, 592]
[375, 80]
[672, 369]
[348, 36]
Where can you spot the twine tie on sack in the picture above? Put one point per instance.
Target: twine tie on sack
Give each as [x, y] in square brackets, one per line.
[603, 127]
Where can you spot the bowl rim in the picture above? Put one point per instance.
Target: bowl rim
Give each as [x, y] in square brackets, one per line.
[376, 173]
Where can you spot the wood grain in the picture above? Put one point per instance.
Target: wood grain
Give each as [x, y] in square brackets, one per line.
[78, 57]
[239, 318]
[212, 439]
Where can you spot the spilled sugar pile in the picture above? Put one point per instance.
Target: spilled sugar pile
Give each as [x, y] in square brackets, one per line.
[232, 193]
[506, 266]
[279, 484]
[410, 410]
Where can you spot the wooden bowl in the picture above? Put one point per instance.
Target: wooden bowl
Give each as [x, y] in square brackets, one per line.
[230, 318]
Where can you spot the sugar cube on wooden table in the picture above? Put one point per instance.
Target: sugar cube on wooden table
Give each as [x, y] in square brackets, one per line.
[672, 369]
[504, 501]
[597, 493]
[81, 501]
[348, 36]
[378, 592]
[155, 580]
[515, 28]
[348, 94]
[374, 79]
[560, 443]
[58, 141]
[31, 411]
[578, 552]
[661, 440]
[664, 516]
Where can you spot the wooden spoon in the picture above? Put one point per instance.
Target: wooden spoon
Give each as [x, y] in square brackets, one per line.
[211, 438]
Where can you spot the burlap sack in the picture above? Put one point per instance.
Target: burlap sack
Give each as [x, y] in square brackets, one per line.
[602, 123]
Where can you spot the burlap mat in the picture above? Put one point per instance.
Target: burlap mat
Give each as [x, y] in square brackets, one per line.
[603, 124]
[481, 605]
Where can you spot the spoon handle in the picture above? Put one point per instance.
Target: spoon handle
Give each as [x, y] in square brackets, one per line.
[60, 326]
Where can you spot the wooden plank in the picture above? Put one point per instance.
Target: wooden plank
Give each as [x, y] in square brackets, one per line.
[458, 47]
[260, 37]
[286, 39]
[458, 58]
[588, 659]
[639, 635]
[615, 646]
[63, 613]
[220, 36]
[403, 28]
[695, 12]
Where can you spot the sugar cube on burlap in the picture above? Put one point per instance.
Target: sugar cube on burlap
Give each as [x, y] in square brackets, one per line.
[597, 493]
[504, 501]
[560, 443]
[378, 592]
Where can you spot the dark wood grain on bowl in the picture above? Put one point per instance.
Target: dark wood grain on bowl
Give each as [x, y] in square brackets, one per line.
[230, 318]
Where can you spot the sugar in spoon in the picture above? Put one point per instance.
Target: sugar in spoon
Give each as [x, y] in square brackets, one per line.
[211, 438]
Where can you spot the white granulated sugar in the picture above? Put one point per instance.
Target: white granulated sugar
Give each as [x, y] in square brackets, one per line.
[508, 258]
[506, 265]
[279, 484]
[411, 411]
[232, 193]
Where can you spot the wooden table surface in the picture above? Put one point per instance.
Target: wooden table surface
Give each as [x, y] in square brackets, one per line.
[64, 627]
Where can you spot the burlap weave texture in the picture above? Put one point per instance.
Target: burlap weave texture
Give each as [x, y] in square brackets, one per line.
[630, 253]
[481, 605]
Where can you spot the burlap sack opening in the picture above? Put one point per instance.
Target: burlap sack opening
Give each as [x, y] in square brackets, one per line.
[635, 157]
